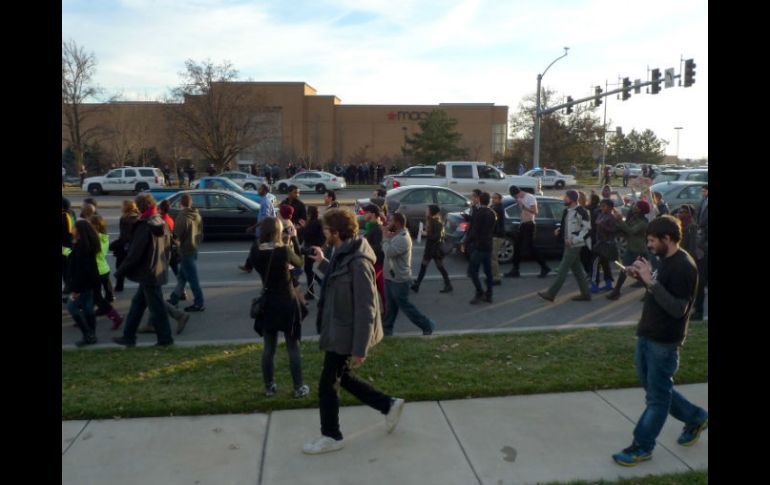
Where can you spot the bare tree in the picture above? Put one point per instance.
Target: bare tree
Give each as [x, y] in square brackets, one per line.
[215, 115]
[77, 71]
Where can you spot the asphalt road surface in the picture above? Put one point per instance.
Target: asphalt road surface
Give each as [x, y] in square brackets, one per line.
[228, 293]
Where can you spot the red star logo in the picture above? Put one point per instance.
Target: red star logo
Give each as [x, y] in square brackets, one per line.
[392, 115]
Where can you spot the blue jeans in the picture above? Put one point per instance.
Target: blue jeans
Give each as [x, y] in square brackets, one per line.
[656, 364]
[480, 258]
[397, 296]
[188, 273]
[148, 297]
[84, 303]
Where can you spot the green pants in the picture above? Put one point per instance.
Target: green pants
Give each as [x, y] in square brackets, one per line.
[570, 260]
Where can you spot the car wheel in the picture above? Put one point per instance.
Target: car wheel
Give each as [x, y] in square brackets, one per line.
[505, 255]
[95, 189]
[249, 187]
[283, 188]
[320, 188]
[622, 245]
[559, 184]
[140, 187]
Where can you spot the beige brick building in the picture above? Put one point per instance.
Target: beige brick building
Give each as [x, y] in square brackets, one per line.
[316, 128]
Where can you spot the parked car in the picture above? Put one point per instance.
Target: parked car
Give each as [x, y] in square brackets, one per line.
[636, 169]
[216, 183]
[413, 201]
[244, 179]
[552, 178]
[312, 179]
[679, 193]
[549, 218]
[224, 213]
[465, 176]
[690, 175]
[127, 179]
[418, 171]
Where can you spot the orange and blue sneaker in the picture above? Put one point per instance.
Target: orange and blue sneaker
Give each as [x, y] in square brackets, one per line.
[690, 434]
[632, 456]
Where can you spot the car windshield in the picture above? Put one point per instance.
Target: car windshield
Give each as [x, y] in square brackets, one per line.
[665, 188]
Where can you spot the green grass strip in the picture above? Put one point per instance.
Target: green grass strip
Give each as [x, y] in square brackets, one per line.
[697, 477]
[106, 383]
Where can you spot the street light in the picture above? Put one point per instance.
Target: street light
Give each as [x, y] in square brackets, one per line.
[677, 128]
[536, 155]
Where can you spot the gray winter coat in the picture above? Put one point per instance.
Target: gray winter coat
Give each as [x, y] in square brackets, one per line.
[349, 308]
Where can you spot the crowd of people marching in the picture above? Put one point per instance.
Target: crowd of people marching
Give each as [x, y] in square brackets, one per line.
[362, 277]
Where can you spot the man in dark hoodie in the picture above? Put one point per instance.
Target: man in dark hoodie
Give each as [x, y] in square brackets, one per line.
[479, 244]
[188, 229]
[349, 323]
[147, 264]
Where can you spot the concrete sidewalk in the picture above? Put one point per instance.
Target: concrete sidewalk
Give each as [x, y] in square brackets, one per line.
[505, 440]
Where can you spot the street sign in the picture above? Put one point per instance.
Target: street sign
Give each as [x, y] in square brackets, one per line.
[669, 78]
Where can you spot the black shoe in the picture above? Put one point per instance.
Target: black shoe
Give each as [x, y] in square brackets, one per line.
[512, 274]
[85, 341]
[614, 295]
[244, 269]
[488, 298]
[163, 344]
[447, 289]
[123, 341]
[195, 308]
[497, 283]
[415, 287]
[427, 332]
[544, 272]
[545, 296]
[477, 299]
[581, 298]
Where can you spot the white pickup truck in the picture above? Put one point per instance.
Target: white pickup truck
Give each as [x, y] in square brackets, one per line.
[463, 177]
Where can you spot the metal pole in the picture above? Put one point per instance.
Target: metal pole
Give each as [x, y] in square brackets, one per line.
[604, 134]
[677, 128]
[536, 154]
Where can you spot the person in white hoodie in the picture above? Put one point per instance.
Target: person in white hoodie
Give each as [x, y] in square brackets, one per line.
[575, 227]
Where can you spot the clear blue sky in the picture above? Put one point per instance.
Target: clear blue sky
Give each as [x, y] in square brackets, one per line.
[414, 52]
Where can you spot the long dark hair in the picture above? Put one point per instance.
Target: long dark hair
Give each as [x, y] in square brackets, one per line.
[312, 213]
[87, 237]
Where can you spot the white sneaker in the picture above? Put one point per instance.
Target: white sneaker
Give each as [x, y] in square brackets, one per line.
[324, 444]
[391, 419]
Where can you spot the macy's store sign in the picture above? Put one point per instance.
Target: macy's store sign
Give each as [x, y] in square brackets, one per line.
[408, 115]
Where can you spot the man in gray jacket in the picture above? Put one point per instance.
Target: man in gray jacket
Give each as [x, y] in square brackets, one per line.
[575, 225]
[397, 269]
[348, 320]
[188, 228]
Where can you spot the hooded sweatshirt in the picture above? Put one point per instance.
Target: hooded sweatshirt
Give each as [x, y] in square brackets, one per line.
[349, 318]
[188, 229]
[147, 259]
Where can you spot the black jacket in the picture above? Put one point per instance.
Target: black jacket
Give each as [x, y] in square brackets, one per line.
[300, 211]
[500, 224]
[482, 226]
[148, 254]
[126, 230]
[282, 309]
[374, 238]
[314, 234]
[82, 272]
[434, 238]
[666, 310]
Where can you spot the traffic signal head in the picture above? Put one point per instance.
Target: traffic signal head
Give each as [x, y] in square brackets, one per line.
[626, 88]
[598, 94]
[655, 81]
[569, 107]
[689, 73]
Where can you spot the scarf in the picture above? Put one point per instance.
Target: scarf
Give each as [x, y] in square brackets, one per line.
[149, 212]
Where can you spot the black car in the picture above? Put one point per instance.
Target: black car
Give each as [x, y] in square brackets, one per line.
[224, 213]
[548, 219]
